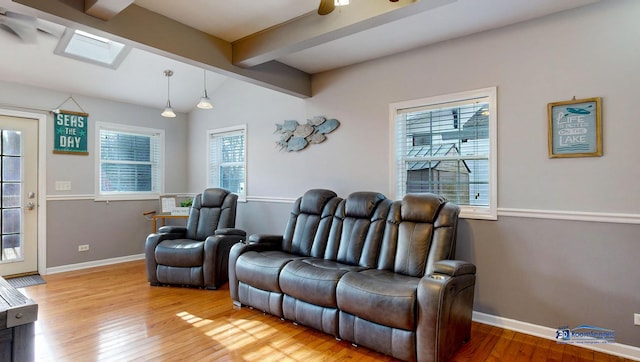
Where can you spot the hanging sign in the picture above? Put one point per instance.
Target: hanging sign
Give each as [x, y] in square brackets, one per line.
[70, 132]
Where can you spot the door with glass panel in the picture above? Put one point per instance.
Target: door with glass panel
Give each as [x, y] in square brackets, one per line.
[18, 198]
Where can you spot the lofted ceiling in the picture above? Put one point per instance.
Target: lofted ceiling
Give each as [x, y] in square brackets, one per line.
[275, 43]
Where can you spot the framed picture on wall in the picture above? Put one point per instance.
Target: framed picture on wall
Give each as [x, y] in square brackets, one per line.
[575, 128]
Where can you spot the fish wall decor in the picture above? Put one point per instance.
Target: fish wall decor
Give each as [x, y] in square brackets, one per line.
[295, 136]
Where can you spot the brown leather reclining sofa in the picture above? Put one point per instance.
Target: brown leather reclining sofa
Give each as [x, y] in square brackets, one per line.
[372, 271]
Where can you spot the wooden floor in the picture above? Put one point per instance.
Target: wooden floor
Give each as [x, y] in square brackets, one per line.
[111, 314]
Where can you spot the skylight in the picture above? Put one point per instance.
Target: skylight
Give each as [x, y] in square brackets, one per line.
[80, 45]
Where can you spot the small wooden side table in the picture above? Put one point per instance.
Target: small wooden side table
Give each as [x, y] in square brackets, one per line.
[164, 220]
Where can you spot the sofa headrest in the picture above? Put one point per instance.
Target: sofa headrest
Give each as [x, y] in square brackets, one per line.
[213, 197]
[423, 207]
[362, 204]
[313, 201]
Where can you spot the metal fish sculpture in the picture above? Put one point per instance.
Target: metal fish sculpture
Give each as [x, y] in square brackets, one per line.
[316, 138]
[296, 144]
[328, 126]
[287, 126]
[284, 138]
[316, 121]
[303, 130]
[295, 136]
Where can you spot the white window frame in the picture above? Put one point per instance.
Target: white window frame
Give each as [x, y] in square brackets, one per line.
[219, 131]
[117, 195]
[471, 212]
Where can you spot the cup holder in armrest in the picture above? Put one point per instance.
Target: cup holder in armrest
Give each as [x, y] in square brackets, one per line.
[437, 276]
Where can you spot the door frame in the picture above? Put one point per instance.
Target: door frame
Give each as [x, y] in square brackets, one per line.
[42, 181]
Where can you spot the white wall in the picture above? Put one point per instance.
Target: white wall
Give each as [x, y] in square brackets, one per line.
[588, 52]
[115, 229]
[340, 163]
[80, 170]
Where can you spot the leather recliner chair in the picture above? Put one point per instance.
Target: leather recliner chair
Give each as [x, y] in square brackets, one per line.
[196, 255]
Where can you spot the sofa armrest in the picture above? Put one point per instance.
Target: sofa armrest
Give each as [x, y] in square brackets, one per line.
[172, 229]
[231, 231]
[216, 258]
[265, 238]
[150, 245]
[255, 242]
[453, 268]
[445, 302]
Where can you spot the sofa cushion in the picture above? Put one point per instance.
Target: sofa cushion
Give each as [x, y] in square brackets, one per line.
[261, 269]
[180, 253]
[357, 229]
[362, 204]
[421, 207]
[314, 201]
[308, 226]
[379, 296]
[314, 280]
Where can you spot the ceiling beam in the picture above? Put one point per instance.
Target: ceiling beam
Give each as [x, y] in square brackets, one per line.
[146, 30]
[312, 30]
[105, 9]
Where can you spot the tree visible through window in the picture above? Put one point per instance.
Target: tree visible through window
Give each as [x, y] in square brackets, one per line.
[130, 160]
[227, 161]
[446, 145]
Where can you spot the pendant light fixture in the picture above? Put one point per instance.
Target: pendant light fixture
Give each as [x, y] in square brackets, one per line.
[205, 102]
[168, 111]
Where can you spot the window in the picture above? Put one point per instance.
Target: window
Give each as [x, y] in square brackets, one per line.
[227, 159]
[447, 145]
[131, 162]
[90, 48]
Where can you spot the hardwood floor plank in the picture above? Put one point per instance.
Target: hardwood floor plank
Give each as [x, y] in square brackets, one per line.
[483, 339]
[498, 351]
[541, 349]
[111, 313]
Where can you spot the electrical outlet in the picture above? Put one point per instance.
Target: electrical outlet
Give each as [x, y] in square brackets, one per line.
[636, 319]
[84, 247]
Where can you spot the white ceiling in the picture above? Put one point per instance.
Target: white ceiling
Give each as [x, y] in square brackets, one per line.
[140, 79]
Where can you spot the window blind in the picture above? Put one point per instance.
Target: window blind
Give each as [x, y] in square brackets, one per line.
[227, 160]
[445, 149]
[129, 162]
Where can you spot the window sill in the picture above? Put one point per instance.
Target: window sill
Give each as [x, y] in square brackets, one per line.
[478, 213]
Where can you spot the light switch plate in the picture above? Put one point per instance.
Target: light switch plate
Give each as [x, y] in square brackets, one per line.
[63, 185]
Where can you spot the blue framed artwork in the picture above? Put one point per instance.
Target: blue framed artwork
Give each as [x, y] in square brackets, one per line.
[575, 128]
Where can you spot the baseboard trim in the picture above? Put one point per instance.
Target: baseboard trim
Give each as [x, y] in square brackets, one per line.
[617, 349]
[93, 264]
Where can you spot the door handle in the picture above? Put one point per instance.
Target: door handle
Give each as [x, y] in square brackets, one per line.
[30, 205]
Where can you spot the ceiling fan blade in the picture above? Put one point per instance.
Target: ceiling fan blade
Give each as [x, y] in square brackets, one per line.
[26, 19]
[23, 26]
[25, 32]
[326, 6]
